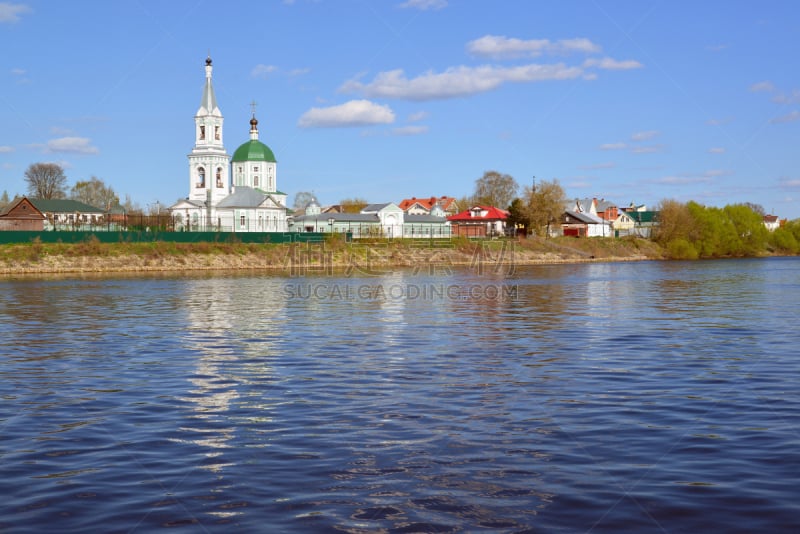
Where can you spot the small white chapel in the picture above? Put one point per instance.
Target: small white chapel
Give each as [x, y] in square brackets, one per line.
[229, 194]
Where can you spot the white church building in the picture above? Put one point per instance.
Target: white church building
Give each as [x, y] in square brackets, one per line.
[229, 194]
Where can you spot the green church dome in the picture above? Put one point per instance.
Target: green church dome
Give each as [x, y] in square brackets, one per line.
[253, 150]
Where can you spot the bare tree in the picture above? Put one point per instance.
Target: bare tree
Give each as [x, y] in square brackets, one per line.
[95, 193]
[675, 222]
[45, 180]
[302, 199]
[495, 189]
[544, 205]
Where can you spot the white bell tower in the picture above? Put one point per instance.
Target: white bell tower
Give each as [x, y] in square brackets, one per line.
[209, 164]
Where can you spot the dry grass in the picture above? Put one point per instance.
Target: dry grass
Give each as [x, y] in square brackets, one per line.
[94, 256]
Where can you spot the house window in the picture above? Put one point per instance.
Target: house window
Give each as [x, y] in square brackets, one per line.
[241, 221]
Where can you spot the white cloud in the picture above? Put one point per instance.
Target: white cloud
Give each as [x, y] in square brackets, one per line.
[596, 166]
[498, 46]
[19, 72]
[418, 116]
[410, 130]
[608, 63]
[456, 81]
[644, 136]
[299, 72]
[765, 86]
[790, 183]
[352, 113]
[6, 149]
[649, 149]
[682, 180]
[792, 98]
[11, 12]
[716, 150]
[60, 130]
[262, 71]
[790, 117]
[717, 172]
[74, 145]
[424, 5]
[613, 146]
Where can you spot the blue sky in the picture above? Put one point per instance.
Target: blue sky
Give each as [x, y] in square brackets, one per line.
[631, 101]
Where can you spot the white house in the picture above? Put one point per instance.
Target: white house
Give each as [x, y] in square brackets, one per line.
[374, 220]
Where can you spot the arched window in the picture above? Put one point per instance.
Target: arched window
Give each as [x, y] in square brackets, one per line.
[219, 176]
[202, 132]
[201, 177]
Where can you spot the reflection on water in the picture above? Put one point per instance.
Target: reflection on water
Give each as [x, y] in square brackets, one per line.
[599, 397]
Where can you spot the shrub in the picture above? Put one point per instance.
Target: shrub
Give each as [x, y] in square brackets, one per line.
[681, 249]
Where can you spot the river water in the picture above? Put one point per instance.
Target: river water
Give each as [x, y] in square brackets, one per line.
[603, 397]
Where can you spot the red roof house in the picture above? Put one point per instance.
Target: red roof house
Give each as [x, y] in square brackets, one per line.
[479, 221]
[422, 206]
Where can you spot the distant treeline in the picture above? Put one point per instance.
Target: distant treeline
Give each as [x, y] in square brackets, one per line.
[691, 231]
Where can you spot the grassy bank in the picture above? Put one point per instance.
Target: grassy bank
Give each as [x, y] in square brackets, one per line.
[93, 256]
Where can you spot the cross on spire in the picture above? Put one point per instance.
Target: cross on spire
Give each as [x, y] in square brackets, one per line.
[253, 105]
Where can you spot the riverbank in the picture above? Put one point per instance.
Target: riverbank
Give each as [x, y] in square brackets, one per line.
[96, 257]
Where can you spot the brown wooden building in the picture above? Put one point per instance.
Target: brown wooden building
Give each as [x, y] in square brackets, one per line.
[21, 215]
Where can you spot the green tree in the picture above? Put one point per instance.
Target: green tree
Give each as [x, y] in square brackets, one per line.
[544, 205]
[4, 200]
[784, 240]
[750, 230]
[95, 193]
[518, 214]
[495, 189]
[45, 180]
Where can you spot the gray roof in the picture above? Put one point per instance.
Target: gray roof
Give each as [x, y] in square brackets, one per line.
[374, 207]
[340, 217]
[586, 217]
[245, 197]
[409, 218]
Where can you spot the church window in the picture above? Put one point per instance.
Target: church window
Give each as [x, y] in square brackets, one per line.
[255, 181]
[201, 177]
[202, 132]
[219, 176]
[255, 169]
[216, 133]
